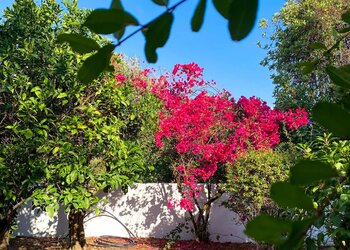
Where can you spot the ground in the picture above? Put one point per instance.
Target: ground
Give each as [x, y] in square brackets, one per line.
[26, 243]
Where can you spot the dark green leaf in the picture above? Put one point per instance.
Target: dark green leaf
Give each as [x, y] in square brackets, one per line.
[333, 117]
[157, 35]
[288, 195]
[116, 4]
[161, 2]
[306, 172]
[296, 236]
[345, 30]
[318, 45]
[107, 21]
[119, 34]
[242, 16]
[340, 76]
[308, 67]
[346, 17]
[79, 43]
[223, 6]
[198, 17]
[268, 229]
[95, 64]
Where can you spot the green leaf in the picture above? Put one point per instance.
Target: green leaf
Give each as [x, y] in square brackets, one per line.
[161, 2]
[346, 17]
[308, 67]
[27, 133]
[268, 229]
[340, 76]
[333, 117]
[95, 64]
[119, 34]
[306, 172]
[50, 211]
[71, 177]
[295, 238]
[345, 30]
[62, 95]
[223, 6]
[55, 150]
[288, 195]
[242, 16]
[116, 4]
[107, 21]
[79, 43]
[198, 17]
[318, 45]
[157, 35]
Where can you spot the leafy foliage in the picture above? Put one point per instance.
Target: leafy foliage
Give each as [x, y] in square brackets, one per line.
[301, 30]
[329, 171]
[335, 192]
[61, 140]
[35, 74]
[250, 177]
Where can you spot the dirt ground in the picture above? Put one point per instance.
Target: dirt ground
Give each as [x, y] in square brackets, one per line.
[26, 243]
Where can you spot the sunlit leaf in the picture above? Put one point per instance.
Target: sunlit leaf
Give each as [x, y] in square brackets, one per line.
[242, 16]
[340, 76]
[79, 43]
[107, 21]
[333, 117]
[95, 64]
[306, 172]
[268, 229]
[50, 210]
[157, 35]
[223, 6]
[288, 195]
[198, 17]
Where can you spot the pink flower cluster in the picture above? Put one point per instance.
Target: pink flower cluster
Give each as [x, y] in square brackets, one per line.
[210, 130]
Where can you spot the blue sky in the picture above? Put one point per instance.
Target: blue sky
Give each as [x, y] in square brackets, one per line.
[235, 66]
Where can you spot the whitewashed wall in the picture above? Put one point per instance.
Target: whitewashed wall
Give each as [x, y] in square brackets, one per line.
[143, 211]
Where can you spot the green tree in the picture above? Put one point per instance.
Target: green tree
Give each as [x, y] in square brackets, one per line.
[327, 171]
[34, 71]
[62, 140]
[299, 28]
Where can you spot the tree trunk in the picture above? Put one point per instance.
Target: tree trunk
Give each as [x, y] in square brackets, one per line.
[201, 234]
[76, 230]
[5, 224]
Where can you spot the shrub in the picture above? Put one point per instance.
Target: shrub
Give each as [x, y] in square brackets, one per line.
[250, 177]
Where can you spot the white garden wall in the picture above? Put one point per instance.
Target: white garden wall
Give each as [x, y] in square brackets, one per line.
[143, 211]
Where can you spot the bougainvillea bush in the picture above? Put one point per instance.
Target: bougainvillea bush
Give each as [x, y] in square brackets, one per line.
[203, 129]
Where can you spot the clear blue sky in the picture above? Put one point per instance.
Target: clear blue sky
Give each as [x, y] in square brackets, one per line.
[235, 66]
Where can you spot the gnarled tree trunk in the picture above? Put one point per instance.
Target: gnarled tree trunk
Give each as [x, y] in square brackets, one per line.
[76, 230]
